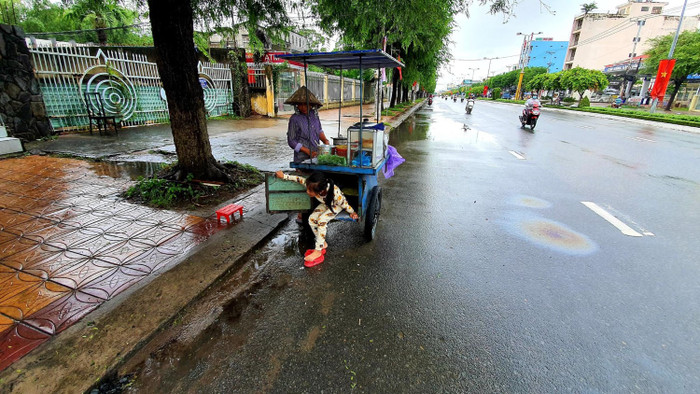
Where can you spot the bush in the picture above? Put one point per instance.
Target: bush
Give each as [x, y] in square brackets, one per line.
[568, 99]
[585, 102]
[496, 94]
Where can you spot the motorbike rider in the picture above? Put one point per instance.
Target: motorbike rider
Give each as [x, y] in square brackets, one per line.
[531, 103]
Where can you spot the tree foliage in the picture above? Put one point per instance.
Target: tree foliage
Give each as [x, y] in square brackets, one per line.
[417, 30]
[81, 19]
[581, 79]
[509, 80]
[588, 7]
[686, 55]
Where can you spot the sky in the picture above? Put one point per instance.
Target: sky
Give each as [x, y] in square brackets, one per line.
[483, 35]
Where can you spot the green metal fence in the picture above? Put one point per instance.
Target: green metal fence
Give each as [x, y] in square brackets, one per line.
[128, 84]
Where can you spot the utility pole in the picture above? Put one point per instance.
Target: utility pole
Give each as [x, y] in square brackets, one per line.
[655, 102]
[473, 70]
[632, 55]
[519, 92]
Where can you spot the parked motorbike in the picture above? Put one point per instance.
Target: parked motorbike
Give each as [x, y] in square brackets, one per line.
[470, 106]
[529, 116]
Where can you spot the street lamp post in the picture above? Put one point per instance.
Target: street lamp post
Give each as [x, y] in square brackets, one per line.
[518, 92]
[473, 70]
[655, 101]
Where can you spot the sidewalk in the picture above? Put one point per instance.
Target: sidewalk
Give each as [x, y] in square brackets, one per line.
[259, 141]
[105, 274]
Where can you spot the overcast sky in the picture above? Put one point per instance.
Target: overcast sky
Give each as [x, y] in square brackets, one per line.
[483, 35]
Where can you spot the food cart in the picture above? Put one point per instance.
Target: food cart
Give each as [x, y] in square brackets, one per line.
[365, 149]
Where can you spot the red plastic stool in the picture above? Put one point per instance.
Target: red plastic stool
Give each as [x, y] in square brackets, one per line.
[229, 211]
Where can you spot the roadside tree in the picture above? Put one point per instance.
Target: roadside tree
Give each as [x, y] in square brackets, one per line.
[686, 55]
[581, 79]
[172, 24]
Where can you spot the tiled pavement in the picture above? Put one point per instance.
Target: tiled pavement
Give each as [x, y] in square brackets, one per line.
[68, 243]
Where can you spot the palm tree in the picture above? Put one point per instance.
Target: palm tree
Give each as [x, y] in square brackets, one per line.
[588, 7]
[101, 14]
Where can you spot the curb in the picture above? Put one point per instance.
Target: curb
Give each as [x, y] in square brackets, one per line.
[95, 347]
[397, 121]
[672, 126]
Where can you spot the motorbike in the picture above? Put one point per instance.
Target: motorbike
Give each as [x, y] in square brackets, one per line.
[470, 106]
[430, 101]
[461, 100]
[529, 116]
[454, 99]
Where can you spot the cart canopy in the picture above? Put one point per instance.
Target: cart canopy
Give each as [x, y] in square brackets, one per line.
[370, 58]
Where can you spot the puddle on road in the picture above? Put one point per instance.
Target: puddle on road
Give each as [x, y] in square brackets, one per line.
[131, 170]
[529, 202]
[439, 127]
[548, 234]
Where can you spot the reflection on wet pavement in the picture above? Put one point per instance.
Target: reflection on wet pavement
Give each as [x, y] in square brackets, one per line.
[68, 243]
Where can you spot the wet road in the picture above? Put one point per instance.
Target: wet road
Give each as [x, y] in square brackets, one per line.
[489, 274]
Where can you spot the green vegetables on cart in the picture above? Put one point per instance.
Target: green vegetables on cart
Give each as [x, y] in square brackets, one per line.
[331, 160]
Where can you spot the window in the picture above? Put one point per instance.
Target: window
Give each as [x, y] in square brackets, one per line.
[645, 9]
[656, 10]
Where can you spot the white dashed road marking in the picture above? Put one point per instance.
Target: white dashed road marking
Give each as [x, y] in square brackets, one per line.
[641, 139]
[516, 154]
[625, 229]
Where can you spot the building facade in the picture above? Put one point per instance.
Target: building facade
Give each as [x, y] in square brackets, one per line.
[293, 42]
[600, 39]
[544, 52]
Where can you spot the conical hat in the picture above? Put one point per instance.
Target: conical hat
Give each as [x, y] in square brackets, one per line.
[299, 97]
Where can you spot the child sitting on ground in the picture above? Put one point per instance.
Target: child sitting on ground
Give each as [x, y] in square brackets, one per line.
[332, 203]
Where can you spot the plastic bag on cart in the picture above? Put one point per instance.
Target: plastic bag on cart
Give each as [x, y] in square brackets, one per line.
[366, 160]
[393, 160]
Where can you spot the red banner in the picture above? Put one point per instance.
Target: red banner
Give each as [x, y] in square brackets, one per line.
[662, 78]
[400, 75]
[486, 90]
[251, 76]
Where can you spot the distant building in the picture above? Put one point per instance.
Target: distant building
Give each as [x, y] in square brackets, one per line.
[544, 52]
[600, 39]
[293, 42]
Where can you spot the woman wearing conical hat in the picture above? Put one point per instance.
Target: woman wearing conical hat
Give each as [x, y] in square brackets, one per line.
[304, 130]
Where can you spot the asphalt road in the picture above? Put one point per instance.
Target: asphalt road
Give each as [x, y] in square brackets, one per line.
[488, 273]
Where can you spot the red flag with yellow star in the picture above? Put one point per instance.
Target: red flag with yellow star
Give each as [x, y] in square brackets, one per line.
[662, 78]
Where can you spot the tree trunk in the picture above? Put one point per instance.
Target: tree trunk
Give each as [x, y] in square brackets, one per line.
[241, 90]
[394, 87]
[676, 88]
[405, 94]
[100, 25]
[173, 38]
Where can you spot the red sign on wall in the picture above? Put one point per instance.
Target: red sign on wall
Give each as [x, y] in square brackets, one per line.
[271, 58]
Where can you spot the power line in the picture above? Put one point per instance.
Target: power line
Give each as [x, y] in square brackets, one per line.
[482, 59]
[88, 30]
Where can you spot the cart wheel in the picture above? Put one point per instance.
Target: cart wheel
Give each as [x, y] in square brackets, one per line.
[372, 214]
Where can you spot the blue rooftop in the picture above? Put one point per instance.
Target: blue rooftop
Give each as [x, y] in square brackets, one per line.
[371, 58]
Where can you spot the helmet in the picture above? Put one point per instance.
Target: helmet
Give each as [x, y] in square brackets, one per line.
[534, 97]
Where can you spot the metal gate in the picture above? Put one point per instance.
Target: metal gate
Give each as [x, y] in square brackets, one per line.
[128, 84]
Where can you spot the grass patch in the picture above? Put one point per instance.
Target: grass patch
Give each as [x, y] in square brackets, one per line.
[401, 108]
[164, 193]
[226, 117]
[507, 101]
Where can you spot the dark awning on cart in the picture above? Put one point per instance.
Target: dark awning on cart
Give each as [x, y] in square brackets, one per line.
[371, 58]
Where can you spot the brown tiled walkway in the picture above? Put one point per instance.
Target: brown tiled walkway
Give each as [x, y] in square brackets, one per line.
[68, 243]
